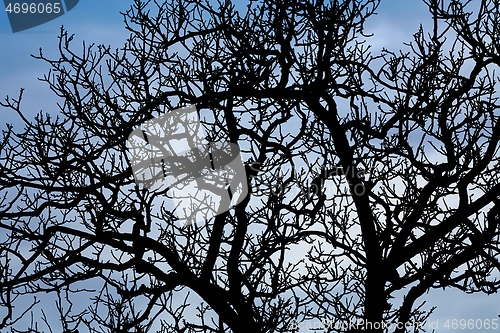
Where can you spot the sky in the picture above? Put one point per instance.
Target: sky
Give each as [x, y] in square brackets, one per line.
[100, 21]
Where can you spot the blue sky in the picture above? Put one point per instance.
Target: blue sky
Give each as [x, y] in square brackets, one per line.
[95, 21]
[99, 21]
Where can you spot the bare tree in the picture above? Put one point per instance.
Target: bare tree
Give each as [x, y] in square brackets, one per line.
[367, 173]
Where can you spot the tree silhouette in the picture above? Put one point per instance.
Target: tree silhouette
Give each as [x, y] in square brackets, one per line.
[368, 174]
